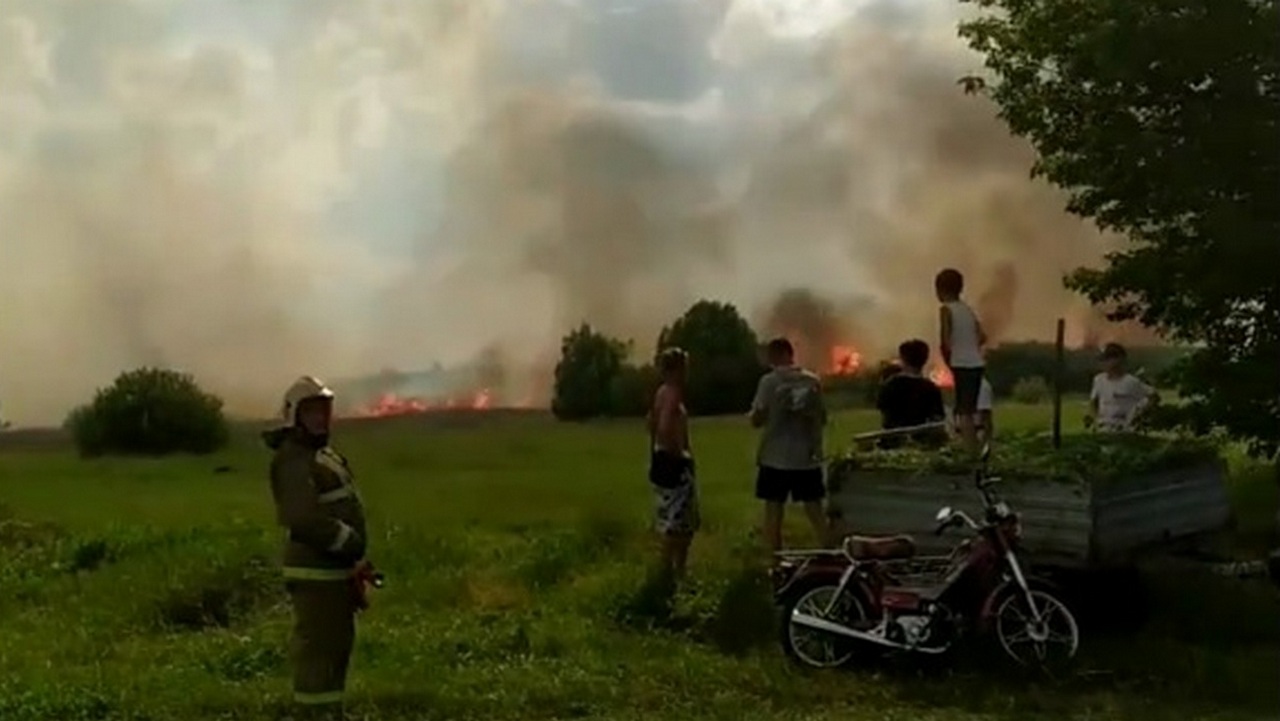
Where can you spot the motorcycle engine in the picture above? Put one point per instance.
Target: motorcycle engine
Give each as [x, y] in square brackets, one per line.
[933, 628]
[912, 630]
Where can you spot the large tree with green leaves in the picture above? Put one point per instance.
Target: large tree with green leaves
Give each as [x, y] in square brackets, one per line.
[724, 357]
[1161, 119]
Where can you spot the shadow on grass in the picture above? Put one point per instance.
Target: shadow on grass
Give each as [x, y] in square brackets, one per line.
[652, 605]
[32, 553]
[745, 617]
[29, 552]
[219, 595]
[248, 660]
[549, 557]
[64, 704]
[734, 614]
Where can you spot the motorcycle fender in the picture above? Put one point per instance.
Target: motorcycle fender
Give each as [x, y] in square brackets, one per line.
[857, 585]
[1011, 586]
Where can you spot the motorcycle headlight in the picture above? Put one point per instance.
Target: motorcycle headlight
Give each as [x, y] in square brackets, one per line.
[1011, 526]
[782, 572]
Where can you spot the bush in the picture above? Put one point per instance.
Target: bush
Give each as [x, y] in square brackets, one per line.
[589, 363]
[1031, 390]
[149, 411]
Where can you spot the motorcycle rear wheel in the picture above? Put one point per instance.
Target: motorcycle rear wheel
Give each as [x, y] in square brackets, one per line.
[813, 648]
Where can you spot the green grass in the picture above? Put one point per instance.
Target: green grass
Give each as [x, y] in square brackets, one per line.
[516, 550]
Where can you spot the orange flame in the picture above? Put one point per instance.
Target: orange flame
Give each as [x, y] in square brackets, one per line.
[845, 360]
[941, 375]
[389, 404]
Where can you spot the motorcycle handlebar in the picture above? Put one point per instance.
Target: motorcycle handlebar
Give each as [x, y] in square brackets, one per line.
[956, 517]
[986, 486]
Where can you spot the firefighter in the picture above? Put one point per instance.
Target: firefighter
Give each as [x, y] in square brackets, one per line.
[325, 570]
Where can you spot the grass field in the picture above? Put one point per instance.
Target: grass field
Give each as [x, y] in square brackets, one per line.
[514, 548]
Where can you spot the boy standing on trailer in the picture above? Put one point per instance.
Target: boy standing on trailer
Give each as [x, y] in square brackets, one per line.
[985, 425]
[961, 339]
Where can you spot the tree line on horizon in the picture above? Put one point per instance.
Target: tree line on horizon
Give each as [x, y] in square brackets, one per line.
[601, 376]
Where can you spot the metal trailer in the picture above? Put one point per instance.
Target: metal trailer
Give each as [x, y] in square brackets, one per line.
[1064, 525]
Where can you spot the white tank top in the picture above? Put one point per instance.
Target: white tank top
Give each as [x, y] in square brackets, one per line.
[966, 351]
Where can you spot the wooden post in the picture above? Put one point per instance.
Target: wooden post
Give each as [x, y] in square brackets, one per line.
[1058, 372]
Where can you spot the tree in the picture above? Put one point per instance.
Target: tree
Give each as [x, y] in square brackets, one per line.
[584, 377]
[1161, 120]
[724, 357]
[1009, 363]
[150, 411]
[631, 392]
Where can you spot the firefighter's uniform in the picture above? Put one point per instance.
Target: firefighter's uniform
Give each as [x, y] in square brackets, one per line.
[317, 502]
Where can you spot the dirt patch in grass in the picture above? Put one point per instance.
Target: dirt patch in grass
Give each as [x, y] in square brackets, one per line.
[219, 597]
[490, 592]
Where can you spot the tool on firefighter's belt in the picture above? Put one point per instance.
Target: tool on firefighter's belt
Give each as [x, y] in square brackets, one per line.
[364, 577]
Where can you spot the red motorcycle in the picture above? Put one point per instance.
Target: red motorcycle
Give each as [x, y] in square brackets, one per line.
[874, 594]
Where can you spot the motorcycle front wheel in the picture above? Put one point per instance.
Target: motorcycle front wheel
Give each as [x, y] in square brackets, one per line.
[811, 647]
[1048, 640]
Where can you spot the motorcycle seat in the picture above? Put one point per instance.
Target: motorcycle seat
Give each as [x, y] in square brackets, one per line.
[882, 548]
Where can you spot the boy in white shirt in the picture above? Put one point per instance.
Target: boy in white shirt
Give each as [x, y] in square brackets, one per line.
[1117, 396]
[984, 426]
[961, 341]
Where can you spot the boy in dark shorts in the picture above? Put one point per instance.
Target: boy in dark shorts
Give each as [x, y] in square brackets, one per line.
[961, 340]
[671, 468]
[788, 407]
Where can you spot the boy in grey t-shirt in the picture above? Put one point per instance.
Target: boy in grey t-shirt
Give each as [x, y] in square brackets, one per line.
[788, 407]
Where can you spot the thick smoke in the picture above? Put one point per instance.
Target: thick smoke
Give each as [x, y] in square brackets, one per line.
[336, 187]
[998, 302]
[815, 325]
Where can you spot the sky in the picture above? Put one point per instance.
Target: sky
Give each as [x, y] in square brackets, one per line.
[254, 189]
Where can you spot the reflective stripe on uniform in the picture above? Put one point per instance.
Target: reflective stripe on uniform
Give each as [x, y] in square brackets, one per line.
[331, 461]
[313, 699]
[336, 494]
[344, 535]
[302, 573]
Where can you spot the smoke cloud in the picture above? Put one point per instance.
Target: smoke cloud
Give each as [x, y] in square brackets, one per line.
[250, 191]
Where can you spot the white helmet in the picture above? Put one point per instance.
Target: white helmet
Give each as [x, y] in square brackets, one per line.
[302, 389]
